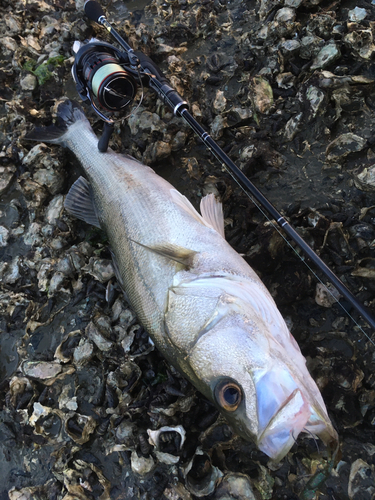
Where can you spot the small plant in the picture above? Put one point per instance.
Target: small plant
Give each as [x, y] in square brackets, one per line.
[43, 72]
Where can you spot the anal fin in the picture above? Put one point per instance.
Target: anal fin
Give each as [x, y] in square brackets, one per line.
[79, 202]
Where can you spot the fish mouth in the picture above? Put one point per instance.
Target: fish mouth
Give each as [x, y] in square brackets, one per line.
[284, 427]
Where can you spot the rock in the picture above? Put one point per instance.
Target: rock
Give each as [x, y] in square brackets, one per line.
[264, 483]
[34, 193]
[57, 243]
[178, 140]
[164, 49]
[365, 268]
[293, 3]
[65, 266]
[237, 115]
[9, 45]
[13, 24]
[125, 431]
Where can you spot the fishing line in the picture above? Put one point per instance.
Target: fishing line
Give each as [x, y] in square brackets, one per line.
[133, 111]
[302, 258]
[313, 437]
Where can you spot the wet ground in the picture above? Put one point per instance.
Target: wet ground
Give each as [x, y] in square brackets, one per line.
[288, 92]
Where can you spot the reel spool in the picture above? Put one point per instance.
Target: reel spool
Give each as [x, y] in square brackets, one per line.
[98, 72]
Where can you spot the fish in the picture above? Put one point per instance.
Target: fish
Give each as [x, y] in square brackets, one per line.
[204, 307]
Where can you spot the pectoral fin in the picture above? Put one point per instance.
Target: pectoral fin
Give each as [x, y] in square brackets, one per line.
[179, 254]
[79, 202]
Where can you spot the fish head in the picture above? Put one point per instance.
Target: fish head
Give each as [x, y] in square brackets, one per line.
[248, 375]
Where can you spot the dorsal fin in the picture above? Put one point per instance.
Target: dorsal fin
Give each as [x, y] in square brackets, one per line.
[185, 204]
[79, 202]
[212, 212]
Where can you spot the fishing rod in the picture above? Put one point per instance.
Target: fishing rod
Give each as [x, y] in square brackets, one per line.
[108, 78]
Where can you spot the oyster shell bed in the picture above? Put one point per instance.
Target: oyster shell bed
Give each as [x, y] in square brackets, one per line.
[88, 408]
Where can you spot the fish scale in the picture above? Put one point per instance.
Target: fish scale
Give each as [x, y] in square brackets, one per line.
[204, 307]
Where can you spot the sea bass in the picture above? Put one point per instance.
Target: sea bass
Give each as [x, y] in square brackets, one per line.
[204, 307]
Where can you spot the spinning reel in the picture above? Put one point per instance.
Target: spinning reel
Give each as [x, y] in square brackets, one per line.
[108, 78]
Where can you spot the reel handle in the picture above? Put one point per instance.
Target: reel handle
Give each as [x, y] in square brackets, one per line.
[106, 135]
[93, 10]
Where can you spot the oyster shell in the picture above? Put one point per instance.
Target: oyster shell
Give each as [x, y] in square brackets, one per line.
[326, 56]
[262, 94]
[46, 372]
[201, 476]
[326, 295]
[345, 144]
[234, 486]
[164, 435]
[141, 465]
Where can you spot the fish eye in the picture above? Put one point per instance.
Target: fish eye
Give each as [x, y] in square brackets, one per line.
[228, 395]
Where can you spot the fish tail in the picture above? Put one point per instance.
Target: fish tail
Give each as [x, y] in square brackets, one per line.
[68, 114]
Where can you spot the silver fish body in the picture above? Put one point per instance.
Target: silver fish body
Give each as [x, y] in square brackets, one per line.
[204, 307]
